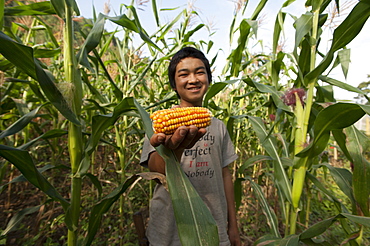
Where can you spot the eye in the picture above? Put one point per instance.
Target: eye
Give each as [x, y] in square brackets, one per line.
[183, 75]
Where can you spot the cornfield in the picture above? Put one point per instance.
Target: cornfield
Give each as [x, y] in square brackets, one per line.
[75, 103]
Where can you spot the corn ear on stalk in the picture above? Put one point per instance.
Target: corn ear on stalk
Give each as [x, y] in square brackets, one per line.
[168, 120]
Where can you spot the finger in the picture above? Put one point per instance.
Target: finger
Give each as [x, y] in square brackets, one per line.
[174, 141]
[157, 139]
[200, 133]
[191, 137]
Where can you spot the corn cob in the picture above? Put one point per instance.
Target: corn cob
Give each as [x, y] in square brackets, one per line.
[168, 120]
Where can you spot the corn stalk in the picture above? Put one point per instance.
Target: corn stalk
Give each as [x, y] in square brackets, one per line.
[75, 144]
[310, 124]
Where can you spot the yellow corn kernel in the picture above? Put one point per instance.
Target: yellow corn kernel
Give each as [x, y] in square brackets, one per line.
[168, 120]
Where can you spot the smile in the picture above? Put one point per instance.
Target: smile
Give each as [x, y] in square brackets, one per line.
[194, 88]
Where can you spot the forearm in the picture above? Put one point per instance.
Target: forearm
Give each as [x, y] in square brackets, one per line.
[231, 210]
[229, 192]
[157, 164]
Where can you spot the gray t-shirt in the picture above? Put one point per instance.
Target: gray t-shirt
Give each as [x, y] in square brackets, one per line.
[203, 165]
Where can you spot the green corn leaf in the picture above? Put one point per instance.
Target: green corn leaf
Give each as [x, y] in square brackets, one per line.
[22, 57]
[103, 206]
[317, 229]
[49, 31]
[341, 139]
[191, 32]
[267, 210]
[279, 23]
[343, 35]
[54, 133]
[344, 59]
[94, 179]
[342, 85]
[17, 219]
[18, 54]
[59, 6]
[24, 163]
[124, 21]
[230, 122]
[46, 53]
[274, 94]
[93, 39]
[291, 240]
[73, 4]
[21, 178]
[237, 54]
[20, 123]
[365, 108]
[133, 25]
[140, 78]
[358, 143]
[96, 94]
[117, 92]
[275, 68]
[320, 227]
[303, 25]
[362, 220]
[213, 90]
[258, 9]
[252, 161]
[343, 178]
[194, 221]
[339, 206]
[41, 8]
[334, 117]
[269, 144]
[99, 124]
[155, 12]
[287, 3]
[169, 26]
[170, 96]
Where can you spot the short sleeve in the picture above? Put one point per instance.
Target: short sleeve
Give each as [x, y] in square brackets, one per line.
[147, 150]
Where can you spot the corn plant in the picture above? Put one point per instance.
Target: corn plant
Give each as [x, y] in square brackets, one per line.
[69, 103]
[294, 148]
[90, 88]
[74, 74]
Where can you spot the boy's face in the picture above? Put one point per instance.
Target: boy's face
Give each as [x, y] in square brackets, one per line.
[191, 81]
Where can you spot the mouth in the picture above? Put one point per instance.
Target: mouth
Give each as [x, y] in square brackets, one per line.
[194, 88]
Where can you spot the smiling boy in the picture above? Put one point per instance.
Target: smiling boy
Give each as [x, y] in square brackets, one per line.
[204, 155]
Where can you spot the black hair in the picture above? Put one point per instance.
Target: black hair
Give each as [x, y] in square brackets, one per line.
[185, 53]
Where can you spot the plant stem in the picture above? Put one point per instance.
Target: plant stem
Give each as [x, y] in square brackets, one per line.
[293, 221]
[75, 145]
[308, 205]
[303, 116]
[287, 209]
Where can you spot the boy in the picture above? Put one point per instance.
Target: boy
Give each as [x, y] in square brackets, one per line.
[207, 151]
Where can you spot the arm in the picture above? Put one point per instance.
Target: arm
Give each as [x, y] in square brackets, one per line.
[183, 138]
[231, 211]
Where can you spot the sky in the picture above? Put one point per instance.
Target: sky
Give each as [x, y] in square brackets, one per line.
[219, 13]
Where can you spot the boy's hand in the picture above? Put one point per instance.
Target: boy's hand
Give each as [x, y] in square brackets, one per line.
[183, 138]
[234, 237]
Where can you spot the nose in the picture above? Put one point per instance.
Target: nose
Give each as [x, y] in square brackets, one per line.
[192, 78]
